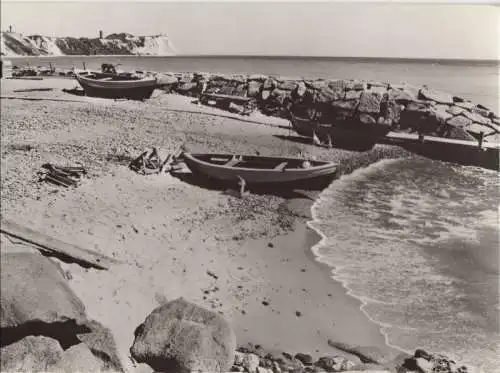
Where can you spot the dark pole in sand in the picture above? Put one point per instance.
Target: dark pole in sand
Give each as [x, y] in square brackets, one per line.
[84, 67]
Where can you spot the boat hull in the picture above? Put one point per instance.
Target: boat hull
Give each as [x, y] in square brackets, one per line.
[315, 177]
[132, 89]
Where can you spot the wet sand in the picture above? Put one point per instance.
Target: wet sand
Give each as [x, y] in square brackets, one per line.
[249, 259]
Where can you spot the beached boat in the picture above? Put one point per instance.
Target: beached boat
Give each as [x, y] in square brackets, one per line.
[117, 86]
[266, 171]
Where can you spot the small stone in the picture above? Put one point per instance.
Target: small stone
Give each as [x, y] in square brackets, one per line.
[306, 359]
[265, 303]
[250, 363]
[424, 365]
[351, 95]
[298, 313]
[270, 244]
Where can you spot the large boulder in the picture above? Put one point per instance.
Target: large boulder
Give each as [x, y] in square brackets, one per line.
[369, 103]
[30, 354]
[180, 336]
[436, 96]
[33, 290]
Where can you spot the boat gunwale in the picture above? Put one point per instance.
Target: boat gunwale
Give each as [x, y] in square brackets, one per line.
[118, 83]
[326, 165]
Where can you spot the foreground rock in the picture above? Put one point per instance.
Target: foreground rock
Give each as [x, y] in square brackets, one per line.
[181, 337]
[33, 289]
[43, 323]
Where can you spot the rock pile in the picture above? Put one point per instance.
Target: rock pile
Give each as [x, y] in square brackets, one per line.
[353, 104]
[43, 323]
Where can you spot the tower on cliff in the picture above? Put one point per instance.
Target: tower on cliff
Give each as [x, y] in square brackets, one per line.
[10, 28]
[100, 34]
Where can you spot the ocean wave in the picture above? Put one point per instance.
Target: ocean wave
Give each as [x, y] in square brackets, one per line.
[413, 240]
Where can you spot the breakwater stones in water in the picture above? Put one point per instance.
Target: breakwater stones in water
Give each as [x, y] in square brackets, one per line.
[363, 106]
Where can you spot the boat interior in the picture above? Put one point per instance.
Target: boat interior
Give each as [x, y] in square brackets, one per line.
[263, 163]
[109, 77]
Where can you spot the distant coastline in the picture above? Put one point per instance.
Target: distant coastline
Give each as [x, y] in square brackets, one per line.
[441, 61]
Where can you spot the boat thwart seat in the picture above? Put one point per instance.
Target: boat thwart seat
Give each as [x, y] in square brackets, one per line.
[281, 166]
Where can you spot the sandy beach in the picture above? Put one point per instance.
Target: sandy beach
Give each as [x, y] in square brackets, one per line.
[249, 259]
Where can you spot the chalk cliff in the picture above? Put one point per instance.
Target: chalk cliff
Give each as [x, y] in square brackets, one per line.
[14, 44]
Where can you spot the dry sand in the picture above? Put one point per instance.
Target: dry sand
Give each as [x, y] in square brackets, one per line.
[168, 233]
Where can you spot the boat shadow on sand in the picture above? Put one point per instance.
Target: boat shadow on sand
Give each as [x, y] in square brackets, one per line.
[233, 188]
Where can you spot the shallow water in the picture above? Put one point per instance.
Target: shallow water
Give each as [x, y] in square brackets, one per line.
[417, 241]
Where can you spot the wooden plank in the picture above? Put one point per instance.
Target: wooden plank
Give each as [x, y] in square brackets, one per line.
[87, 258]
[232, 162]
[281, 166]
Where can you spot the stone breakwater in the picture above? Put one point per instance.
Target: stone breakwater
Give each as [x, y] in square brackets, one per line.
[327, 106]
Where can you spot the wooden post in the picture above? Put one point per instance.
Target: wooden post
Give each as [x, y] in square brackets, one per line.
[421, 137]
[84, 66]
[481, 139]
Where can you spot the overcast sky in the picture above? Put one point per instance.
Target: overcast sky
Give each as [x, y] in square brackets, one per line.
[300, 28]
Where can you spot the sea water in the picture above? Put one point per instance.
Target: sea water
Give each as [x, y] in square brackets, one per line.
[476, 81]
[417, 242]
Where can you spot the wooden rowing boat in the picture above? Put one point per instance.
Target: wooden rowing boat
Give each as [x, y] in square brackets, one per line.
[266, 171]
[117, 86]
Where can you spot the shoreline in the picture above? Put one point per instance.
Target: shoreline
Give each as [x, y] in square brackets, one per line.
[332, 269]
[260, 247]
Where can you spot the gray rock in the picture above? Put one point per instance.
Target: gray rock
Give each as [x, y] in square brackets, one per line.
[287, 85]
[477, 128]
[258, 77]
[465, 105]
[185, 337]
[459, 121]
[441, 113]
[455, 110]
[78, 358]
[337, 84]
[250, 362]
[436, 96]
[30, 354]
[457, 133]
[305, 359]
[353, 95]
[366, 119]
[425, 366]
[254, 88]
[332, 364]
[347, 106]
[477, 118]
[270, 84]
[33, 289]
[402, 97]
[327, 95]
[481, 110]
[369, 103]
[301, 89]
[102, 344]
[356, 85]
[316, 84]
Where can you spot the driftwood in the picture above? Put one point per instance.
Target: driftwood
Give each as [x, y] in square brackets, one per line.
[57, 248]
